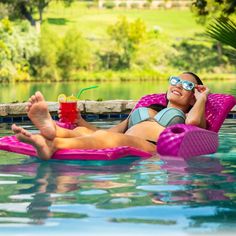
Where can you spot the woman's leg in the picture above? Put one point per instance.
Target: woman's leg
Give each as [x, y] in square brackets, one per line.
[39, 114]
[99, 139]
[67, 133]
[103, 139]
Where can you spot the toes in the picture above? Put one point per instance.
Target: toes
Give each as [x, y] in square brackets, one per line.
[33, 99]
[25, 132]
[28, 106]
[19, 130]
[16, 129]
[39, 96]
[13, 127]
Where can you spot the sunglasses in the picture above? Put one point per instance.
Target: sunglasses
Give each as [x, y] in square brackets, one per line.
[187, 85]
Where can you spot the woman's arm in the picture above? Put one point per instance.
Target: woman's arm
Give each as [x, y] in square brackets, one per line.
[121, 127]
[80, 121]
[196, 115]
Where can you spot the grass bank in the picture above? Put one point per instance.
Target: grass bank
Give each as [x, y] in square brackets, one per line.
[93, 22]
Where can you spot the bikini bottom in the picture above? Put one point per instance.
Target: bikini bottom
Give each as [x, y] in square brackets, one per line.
[150, 141]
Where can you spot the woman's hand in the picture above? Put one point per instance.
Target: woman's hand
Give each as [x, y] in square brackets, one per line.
[77, 118]
[201, 91]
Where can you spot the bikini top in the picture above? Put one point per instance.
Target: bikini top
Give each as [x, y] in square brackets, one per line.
[166, 117]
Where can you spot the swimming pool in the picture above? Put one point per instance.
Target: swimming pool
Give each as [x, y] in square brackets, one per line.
[124, 197]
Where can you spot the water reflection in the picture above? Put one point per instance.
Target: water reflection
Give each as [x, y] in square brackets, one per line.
[203, 180]
[209, 185]
[44, 183]
[106, 91]
[193, 185]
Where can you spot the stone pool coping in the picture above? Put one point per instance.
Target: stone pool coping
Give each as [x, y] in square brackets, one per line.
[93, 109]
[86, 107]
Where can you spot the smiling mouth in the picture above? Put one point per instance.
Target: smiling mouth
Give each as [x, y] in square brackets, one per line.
[176, 92]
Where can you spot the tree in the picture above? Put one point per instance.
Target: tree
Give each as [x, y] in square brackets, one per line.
[127, 37]
[74, 54]
[224, 31]
[206, 9]
[18, 43]
[26, 8]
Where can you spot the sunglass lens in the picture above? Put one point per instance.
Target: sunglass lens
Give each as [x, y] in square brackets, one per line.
[174, 80]
[188, 85]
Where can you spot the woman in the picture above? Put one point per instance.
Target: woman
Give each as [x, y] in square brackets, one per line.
[186, 100]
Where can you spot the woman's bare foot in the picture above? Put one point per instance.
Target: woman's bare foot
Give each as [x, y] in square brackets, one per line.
[43, 146]
[38, 113]
[17, 129]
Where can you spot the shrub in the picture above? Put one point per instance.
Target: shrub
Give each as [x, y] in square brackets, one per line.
[134, 5]
[60, 58]
[5, 10]
[109, 60]
[199, 57]
[154, 54]
[74, 53]
[44, 64]
[18, 43]
[123, 4]
[161, 5]
[127, 37]
[109, 5]
[91, 4]
[147, 5]
[175, 4]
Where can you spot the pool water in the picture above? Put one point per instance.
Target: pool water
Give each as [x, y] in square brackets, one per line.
[129, 196]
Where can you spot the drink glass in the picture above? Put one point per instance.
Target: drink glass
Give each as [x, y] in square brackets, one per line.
[68, 111]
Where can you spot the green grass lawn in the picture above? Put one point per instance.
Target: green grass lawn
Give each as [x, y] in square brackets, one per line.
[93, 22]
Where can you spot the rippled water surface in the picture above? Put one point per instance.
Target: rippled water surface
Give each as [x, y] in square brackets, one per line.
[125, 197]
[107, 90]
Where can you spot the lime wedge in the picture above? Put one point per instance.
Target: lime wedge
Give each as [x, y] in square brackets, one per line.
[61, 98]
[71, 98]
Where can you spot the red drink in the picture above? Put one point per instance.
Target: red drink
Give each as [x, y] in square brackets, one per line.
[68, 112]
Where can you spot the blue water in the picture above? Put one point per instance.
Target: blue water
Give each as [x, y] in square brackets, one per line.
[125, 197]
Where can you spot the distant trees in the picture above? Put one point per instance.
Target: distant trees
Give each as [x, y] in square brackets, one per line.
[216, 14]
[130, 52]
[206, 9]
[74, 54]
[127, 36]
[26, 8]
[17, 45]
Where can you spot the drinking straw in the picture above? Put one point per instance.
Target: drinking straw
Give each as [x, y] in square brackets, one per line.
[83, 89]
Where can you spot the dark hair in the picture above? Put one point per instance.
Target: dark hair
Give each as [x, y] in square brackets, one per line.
[199, 82]
[157, 107]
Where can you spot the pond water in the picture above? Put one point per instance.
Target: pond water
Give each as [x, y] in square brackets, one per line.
[106, 91]
[125, 197]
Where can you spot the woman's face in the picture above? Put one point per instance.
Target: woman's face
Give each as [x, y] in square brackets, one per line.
[179, 96]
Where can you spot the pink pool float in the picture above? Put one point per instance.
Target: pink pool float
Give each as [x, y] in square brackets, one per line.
[182, 141]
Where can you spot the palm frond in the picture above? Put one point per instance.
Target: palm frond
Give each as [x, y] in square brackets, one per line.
[224, 31]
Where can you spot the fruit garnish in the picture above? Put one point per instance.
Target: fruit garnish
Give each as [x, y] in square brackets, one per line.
[61, 98]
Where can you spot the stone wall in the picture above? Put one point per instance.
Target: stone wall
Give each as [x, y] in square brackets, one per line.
[86, 107]
[91, 107]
